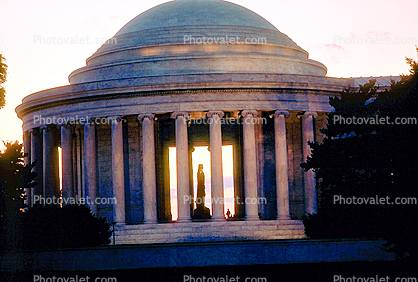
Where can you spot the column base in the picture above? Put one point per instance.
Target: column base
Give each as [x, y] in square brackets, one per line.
[284, 217]
[150, 222]
[183, 220]
[218, 219]
[251, 218]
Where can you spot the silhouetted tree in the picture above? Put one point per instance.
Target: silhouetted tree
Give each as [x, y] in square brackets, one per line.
[14, 178]
[365, 160]
[72, 226]
[3, 73]
[41, 227]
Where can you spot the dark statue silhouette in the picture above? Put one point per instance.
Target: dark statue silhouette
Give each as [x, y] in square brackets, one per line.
[201, 212]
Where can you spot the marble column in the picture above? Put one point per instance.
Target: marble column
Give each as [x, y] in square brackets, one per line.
[67, 161]
[79, 155]
[50, 164]
[282, 185]
[182, 151]
[26, 160]
[90, 165]
[217, 181]
[250, 165]
[118, 171]
[26, 146]
[309, 176]
[149, 173]
[37, 159]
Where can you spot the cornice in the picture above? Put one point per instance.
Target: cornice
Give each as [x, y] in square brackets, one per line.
[129, 92]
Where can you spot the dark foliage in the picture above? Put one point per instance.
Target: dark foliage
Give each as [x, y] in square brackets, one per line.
[72, 226]
[3, 73]
[41, 227]
[14, 178]
[368, 161]
[54, 227]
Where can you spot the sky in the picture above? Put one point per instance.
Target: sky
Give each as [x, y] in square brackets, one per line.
[44, 41]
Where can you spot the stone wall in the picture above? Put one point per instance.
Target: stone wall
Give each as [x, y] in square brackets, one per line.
[209, 231]
[104, 171]
[133, 161]
[295, 158]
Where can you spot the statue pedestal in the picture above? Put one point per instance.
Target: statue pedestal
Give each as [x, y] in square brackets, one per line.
[201, 212]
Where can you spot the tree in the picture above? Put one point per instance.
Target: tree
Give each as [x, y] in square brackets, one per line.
[48, 227]
[14, 178]
[3, 73]
[369, 160]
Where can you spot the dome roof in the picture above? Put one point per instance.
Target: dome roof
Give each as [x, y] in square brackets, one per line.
[195, 13]
[189, 37]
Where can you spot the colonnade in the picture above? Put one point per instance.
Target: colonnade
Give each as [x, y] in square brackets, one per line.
[41, 148]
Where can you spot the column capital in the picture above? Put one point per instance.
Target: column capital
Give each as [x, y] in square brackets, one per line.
[115, 119]
[144, 116]
[86, 121]
[78, 127]
[211, 113]
[282, 112]
[89, 122]
[174, 115]
[32, 131]
[65, 125]
[244, 113]
[310, 113]
[45, 128]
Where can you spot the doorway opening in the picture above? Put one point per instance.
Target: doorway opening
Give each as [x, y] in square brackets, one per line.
[201, 155]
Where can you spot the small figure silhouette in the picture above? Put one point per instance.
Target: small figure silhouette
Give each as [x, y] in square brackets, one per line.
[228, 214]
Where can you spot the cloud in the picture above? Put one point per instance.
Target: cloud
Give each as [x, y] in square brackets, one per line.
[334, 47]
[329, 53]
[378, 33]
[363, 38]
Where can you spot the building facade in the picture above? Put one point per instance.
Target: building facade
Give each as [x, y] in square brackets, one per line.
[144, 91]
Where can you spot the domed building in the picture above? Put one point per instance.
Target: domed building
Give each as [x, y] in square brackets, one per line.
[175, 78]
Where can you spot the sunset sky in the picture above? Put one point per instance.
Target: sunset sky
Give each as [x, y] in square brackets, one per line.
[44, 41]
